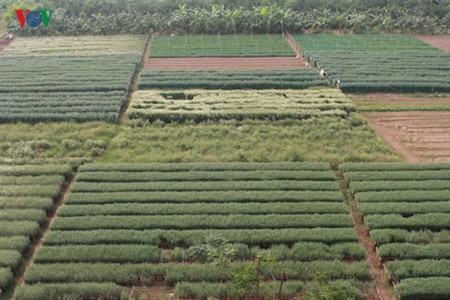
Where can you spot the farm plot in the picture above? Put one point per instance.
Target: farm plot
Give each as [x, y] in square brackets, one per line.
[379, 63]
[125, 225]
[401, 102]
[417, 136]
[60, 79]
[407, 210]
[220, 45]
[27, 196]
[231, 79]
[214, 105]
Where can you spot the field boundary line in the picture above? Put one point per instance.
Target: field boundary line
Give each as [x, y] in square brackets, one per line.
[383, 289]
[135, 81]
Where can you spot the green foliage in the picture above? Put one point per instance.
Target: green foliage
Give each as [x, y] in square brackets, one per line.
[261, 237]
[419, 268]
[379, 63]
[412, 251]
[202, 106]
[5, 277]
[18, 243]
[237, 221]
[69, 291]
[315, 139]
[432, 221]
[231, 79]
[98, 253]
[220, 45]
[214, 250]
[432, 288]
[336, 290]
[384, 236]
[9, 258]
[96, 90]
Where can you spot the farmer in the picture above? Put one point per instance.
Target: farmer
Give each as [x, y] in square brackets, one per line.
[10, 36]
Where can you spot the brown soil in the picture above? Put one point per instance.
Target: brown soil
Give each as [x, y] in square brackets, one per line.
[417, 136]
[404, 100]
[438, 41]
[4, 43]
[224, 63]
[383, 289]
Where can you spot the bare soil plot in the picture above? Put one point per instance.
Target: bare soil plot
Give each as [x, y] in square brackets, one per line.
[224, 63]
[417, 136]
[439, 41]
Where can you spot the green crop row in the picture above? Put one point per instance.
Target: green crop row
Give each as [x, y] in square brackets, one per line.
[34, 215]
[9, 258]
[26, 203]
[31, 180]
[220, 45]
[404, 196]
[254, 237]
[412, 251]
[356, 176]
[98, 253]
[432, 221]
[418, 268]
[207, 197]
[125, 274]
[257, 208]
[18, 243]
[82, 290]
[231, 80]
[50, 191]
[433, 288]
[30, 170]
[179, 167]
[184, 222]
[384, 236]
[386, 185]
[354, 167]
[402, 208]
[272, 185]
[6, 277]
[115, 176]
[13, 228]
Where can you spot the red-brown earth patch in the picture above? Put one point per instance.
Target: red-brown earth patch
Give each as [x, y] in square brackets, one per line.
[4, 43]
[400, 100]
[438, 41]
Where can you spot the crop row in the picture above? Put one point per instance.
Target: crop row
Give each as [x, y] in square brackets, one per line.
[202, 196]
[372, 167]
[257, 237]
[432, 221]
[231, 80]
[239, 221]
[220, 45]
[368, 208]
[390, 185]
[231, 167]
[384, 236]
[397, 175]
[125, 274]
[257, 208]
[182, 176]
[279, 185]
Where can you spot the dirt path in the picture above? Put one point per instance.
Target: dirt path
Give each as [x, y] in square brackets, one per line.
[417, 136]
[46, 227]
[439, 41]
[4, 43]
[383, 289]
[135, 80]
[223, 63]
